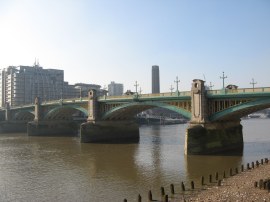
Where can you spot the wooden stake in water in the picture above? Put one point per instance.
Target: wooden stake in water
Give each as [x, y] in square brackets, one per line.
[202, 180]
[172, 188]
[216, 175]
[192, 185]
[183, 186]
[162, 191]
[139, 198]
[150, 196]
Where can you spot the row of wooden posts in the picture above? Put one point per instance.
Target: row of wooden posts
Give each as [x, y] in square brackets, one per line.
[165, 197]
[263, 184]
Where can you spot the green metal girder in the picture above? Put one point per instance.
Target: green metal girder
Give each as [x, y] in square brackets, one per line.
[146, 99]
[23, 112]
[152, 104]
[60, 108]
[238, 95]
[264, 103]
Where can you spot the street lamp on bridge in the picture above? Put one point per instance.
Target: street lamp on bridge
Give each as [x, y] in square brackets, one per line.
[136, 87]
[211, 85]
[223, 78]
[171, 89]
[253, 83]
[140, 91]
[177, 82]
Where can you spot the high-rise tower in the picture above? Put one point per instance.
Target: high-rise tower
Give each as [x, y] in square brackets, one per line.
[155, 79]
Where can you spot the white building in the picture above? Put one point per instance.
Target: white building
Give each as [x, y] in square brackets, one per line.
[20, 85]
[115, 89]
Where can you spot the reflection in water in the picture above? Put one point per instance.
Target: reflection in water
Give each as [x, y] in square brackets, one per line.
[197, 166]
[63, 169]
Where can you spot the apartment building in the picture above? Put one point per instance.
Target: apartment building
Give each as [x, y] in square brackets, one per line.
[19, 85]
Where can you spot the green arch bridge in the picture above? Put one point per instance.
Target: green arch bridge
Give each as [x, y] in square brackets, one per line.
[214, 116]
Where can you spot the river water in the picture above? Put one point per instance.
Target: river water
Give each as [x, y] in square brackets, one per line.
[63, 169]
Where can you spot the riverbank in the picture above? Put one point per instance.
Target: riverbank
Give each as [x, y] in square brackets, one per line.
[239, 187]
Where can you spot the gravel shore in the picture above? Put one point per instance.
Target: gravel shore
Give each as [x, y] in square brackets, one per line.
[239, 187]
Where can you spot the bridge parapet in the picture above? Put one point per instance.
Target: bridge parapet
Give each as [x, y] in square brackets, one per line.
[65, 101]
[239, 91]
[142, 96]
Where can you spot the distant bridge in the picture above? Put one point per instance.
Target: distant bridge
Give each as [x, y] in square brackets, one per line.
[222, 105]
[200, 105]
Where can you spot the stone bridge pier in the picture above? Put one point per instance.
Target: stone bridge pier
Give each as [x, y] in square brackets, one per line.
[8, 125]
[44, 127]
[205, 137]
[97, 130]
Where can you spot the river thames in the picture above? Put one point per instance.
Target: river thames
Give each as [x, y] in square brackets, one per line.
[63, 169]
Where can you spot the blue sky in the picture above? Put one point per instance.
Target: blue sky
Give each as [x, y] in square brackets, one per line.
[99, 41]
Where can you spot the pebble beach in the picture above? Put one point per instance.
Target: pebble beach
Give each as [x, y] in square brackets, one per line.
[236, 188]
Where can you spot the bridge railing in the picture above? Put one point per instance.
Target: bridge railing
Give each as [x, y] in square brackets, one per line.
[150, 95]
[239, 91]
[170, 94]
[69, 100]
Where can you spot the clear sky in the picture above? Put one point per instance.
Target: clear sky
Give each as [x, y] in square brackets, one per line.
[99, 41]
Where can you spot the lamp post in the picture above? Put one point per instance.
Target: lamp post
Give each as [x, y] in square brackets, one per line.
[253, 83]
[223, 78]
[177, 82]
[81, 93]
[171, 89]
[136, 87]
[211, 85]
[140, 91]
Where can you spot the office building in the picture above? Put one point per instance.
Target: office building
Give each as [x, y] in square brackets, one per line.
[115, 89]
[155, 79]
[20, 85]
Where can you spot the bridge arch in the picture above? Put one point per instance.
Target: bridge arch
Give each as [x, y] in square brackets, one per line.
[241, 110]
[24, 115]
[64, 112]
[128, 111]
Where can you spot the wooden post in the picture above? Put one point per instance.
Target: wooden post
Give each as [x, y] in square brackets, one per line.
[183, 186]
[162, 191]
[216, 175]
[172, 188]
[192, 185]
[261, 184]
[166, 198]
[268, 185]
[231, 174]
[255, 184]
[139, 198]
[202, 180]
[150, 196]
